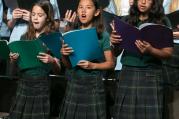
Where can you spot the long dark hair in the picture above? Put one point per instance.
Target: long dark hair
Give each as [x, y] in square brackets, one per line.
[155, 14]
[97, 21]
[50, 24]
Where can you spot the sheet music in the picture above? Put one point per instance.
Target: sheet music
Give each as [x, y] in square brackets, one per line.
[23, 4]
[12, 4]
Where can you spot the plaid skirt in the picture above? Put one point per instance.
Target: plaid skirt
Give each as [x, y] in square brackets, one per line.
[171, 76]
[139, 94]
[32, 99]
[171, 68]
[173, 60]
[84, 99]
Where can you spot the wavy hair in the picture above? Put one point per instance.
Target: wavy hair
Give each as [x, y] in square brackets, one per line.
[50, 23]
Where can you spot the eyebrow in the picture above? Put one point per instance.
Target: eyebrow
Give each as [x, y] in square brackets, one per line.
[38, 13]
[86, 5]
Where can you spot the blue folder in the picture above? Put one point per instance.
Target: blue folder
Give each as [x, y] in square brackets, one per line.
[85, 44]
[53, 42]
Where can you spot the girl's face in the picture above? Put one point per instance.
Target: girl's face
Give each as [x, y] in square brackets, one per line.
[86, 12]
[144, 5]
[38, 18]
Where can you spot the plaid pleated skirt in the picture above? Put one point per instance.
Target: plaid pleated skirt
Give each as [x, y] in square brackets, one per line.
[32, 99]
[171, 76]
[139, 94]
[84, 99]
[171, 68]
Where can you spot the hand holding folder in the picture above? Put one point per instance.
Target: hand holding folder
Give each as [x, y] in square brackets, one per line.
[22, 4]
[27, 50]
[159, 36]
[85, 44]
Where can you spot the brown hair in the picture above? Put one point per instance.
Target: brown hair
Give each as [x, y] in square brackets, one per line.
[50, 24]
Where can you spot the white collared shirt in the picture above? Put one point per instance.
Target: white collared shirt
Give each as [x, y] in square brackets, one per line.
[56, 9]
[111, 8]
[166, 6]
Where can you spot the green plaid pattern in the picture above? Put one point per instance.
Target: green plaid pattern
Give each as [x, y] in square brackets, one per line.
[139, 94]
[171, 68]
[32, 100]
[171, 76]
[173, 60]
[85, 98]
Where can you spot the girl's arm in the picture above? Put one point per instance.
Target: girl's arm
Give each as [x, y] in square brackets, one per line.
[13, 67]
[16, 13]
[46, 58]
[114, 40]
[162, 53]
[66, 61]
[56, 65]
[107, 64]
[146, 47]
[176, 34]
[66, 51]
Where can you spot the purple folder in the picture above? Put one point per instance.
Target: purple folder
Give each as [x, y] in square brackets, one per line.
[159, 36]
